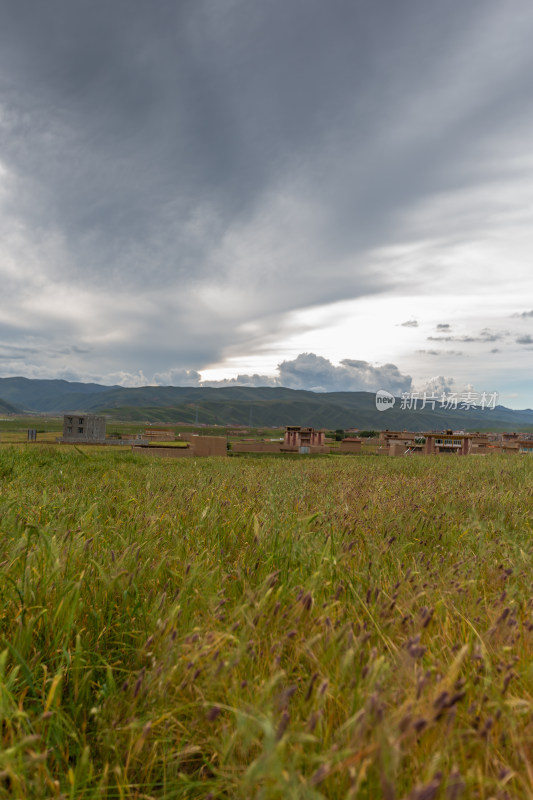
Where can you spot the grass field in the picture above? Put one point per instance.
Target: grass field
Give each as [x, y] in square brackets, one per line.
[255, 628]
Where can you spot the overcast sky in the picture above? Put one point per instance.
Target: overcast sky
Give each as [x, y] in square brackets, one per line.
[328, 195]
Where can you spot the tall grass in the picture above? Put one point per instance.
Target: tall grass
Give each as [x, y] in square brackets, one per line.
[253, 628]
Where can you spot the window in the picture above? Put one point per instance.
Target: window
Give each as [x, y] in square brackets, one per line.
[457, 442]
[438, 441]
[80, 430]
[80, 421]
[448, 441]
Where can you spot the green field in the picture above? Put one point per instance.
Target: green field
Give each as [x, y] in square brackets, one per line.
[265, 628]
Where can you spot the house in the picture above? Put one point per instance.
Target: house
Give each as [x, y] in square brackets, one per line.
[480, 444]
[193, 447]
[84, 428]
[508, 437]
[350, 444]
[406, 438]
[525, 446]
[409, 448]
[296, 436]
[447, 443]
[159, 435]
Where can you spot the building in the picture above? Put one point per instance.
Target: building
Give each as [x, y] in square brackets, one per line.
[400, 448]
[525, 446]
[350, 444]
[159, 435]
[296, 436]
[448, 443]
[405, 438]
[84, 428]
[193, 447]
[480, 444]
[256, 446]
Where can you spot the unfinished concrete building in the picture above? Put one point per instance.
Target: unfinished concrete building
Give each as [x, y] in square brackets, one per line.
[84, 428]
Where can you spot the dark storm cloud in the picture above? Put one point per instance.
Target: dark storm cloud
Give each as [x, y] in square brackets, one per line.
[188, 167]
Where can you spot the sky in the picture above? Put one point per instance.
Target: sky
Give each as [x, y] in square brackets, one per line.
[322, 195]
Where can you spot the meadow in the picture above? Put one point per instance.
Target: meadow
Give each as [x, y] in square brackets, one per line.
[356, 627]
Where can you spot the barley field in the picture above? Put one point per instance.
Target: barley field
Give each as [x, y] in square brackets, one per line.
[355, 627]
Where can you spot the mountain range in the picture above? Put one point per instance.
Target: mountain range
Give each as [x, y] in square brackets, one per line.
[244, 405]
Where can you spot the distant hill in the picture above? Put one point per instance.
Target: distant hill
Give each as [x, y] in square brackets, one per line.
[36, 395]
[323, 411]
[7, 408]
[256, 406]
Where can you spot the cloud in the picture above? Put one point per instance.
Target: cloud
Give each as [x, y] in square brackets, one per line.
[309, 370]
[438, 385]
[526, 339]
[411, 323]
[177, 377]
[443, 326]
[524, 314]
[440, 352]
[129, 379]
[485, 335]
[244, 380]
[453, 339]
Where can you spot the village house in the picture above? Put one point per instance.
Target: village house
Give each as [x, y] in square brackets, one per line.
[406, 438]
[80, 428]
[448, 443]
[159, 435]
[194, 446]
[296, 436]
[303, 440]
[434, 443]
[525, 445]
[350, 444]
[480, 444]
